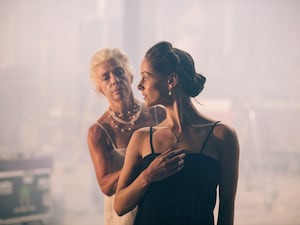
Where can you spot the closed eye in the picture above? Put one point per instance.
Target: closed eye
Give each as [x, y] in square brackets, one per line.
[105, 76]
[119, 72]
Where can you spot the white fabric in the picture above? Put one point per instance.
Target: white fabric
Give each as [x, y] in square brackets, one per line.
[110, 216]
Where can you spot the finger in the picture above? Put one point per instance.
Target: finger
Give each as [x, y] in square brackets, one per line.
[177, 156]
[172, 158]
[174, 163]
[175, 169]
[169, 151]
[173, 153]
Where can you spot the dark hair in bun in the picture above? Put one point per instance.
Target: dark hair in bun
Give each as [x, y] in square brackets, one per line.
[165, 59]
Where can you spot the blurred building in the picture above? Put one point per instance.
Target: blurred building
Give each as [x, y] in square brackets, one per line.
[248, 50]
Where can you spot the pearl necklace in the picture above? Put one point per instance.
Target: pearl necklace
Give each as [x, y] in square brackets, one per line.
[117, 117]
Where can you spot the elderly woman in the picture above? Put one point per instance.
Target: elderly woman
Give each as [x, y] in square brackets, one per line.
[108, 137]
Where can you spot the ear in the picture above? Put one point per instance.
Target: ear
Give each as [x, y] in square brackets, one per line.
[172, 80]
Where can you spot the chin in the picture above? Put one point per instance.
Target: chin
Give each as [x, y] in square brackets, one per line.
[148, 104]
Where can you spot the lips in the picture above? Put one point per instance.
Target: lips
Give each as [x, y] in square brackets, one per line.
[117, 90]
[144, 96]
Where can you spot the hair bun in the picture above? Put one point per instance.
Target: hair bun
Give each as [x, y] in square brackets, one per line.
[200, 78]
[194, 88]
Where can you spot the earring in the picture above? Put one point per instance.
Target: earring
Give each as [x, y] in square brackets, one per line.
[169, 93]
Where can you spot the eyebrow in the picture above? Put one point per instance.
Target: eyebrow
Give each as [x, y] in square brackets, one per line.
[104, 73]
[118, 67]
[115, 68]
[146, 73]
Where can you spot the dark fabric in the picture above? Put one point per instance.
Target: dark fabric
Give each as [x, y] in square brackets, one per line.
[186, 198]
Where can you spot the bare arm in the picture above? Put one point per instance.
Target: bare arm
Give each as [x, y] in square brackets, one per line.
[107, 165]
[132, 185]
[229, 162]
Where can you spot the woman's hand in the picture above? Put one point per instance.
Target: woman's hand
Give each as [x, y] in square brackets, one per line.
[165, 165]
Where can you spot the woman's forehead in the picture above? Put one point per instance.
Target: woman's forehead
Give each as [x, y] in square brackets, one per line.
[114, 63]
[110, 65]
[147, 67]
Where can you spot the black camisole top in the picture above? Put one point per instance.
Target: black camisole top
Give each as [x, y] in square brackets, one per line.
[185, 198]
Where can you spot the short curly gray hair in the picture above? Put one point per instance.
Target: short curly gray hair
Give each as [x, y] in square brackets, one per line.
[105, 55]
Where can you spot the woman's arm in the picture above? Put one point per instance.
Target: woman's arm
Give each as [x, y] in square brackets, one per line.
[228, 148]
[107, 166]
[132, 185]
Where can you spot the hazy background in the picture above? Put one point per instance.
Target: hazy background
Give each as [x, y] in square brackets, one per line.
[249, 50]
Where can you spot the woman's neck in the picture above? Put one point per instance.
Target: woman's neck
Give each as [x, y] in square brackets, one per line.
[123, 106]
[179, 116]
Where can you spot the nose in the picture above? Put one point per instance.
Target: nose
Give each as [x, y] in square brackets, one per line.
[140, 86]
[114, 78]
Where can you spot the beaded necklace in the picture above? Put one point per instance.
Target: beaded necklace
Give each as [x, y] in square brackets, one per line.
[117, 119]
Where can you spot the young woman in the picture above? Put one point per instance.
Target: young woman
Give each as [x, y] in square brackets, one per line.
[172, 170]
[108, 137]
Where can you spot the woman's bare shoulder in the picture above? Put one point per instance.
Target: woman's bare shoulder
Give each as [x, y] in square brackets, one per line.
[223, 131]
[226, 141]
[141, 132]
[96, 130]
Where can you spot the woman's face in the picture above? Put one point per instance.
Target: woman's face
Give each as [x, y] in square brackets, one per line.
[154, 87]
[113, 80]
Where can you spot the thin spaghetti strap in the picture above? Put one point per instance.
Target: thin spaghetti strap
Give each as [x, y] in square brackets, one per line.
[208, 135]
[151, 144]
[107, 134]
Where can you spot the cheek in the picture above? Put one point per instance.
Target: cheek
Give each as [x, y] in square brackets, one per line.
[158, 91]
[102, 88]
[160, 88]
[98, 89]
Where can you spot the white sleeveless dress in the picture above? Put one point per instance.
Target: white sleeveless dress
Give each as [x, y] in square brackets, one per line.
[110, 216]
